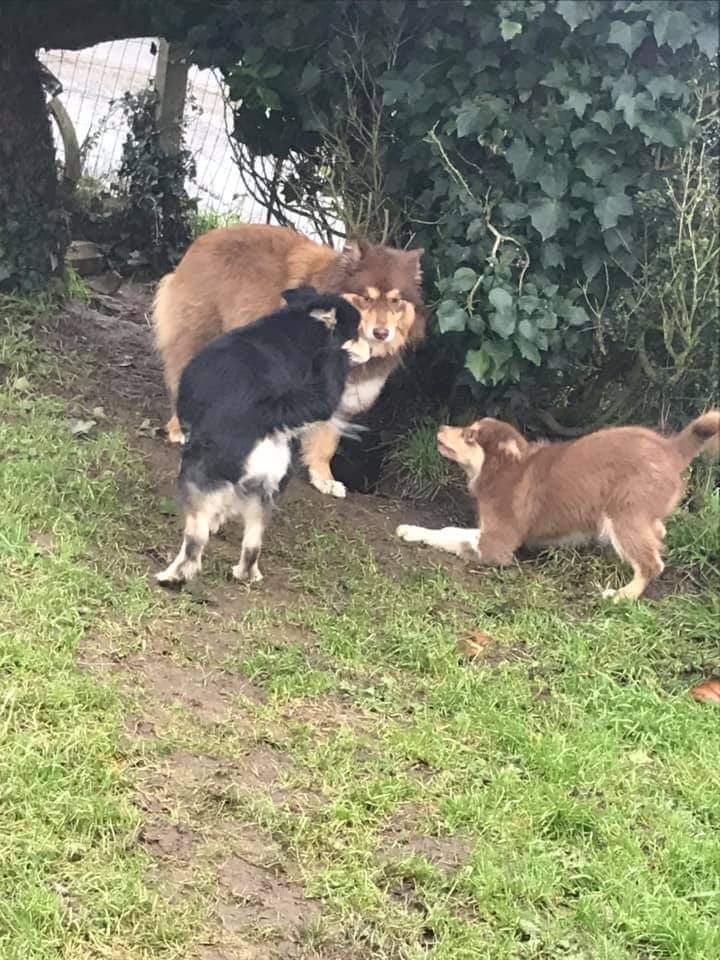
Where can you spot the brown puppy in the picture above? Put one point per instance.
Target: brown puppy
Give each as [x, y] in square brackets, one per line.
[615, 485]
[230, 277]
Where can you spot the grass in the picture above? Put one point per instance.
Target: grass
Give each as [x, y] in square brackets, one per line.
[553, 799]
[72, 880]
[76, 286]
[415, 465]
[204, 220]
[695, 542]
[568, 766]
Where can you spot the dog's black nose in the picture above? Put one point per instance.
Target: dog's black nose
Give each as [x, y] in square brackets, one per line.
[381, 333]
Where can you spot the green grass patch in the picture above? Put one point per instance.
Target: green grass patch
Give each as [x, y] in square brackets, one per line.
[204, 220]
[72, 878]
[553, 799]
[567, 768]
[694, 538]
[414, 464]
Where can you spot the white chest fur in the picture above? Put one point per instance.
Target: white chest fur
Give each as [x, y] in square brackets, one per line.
[360, 396]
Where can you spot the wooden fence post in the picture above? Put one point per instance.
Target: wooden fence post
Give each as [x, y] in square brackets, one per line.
[171, 75]
[72, 168]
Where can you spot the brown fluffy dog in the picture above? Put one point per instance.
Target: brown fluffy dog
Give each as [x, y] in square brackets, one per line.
[615, 485]
[230, 277]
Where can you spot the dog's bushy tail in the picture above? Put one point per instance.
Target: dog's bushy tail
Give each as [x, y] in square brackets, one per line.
[700, 436]
[162, 315]
[351, 431]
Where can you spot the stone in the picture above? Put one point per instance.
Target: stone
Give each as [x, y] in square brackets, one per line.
[85, 257]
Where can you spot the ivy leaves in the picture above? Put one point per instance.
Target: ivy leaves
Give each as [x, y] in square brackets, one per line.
[611, 208]
[513, 327]
[673, 27]
[519, 156]
[451, 317]
[574, 12]
[629, 36]
[549, 118]
[548, 216]
[502, 315]
[573, 166]
[509, 29]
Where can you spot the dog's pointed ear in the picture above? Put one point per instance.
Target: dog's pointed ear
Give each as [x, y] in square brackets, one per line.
[325, 315]
[511, 448]
[299, 295]
[354, 251]
[415, 258]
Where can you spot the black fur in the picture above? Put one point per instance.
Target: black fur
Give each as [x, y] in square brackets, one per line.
[263, 382]
[283, 371]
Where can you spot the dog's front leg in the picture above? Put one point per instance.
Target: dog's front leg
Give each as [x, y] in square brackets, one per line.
[458, 540]
[174, 430]
[318, 448]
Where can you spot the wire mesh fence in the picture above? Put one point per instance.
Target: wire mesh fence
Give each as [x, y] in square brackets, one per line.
[94, 79]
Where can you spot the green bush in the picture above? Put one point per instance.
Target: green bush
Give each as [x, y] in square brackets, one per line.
[157, 212]
[514, 140]
[669, 315]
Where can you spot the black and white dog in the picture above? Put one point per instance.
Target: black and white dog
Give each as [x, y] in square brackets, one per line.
[242, 401]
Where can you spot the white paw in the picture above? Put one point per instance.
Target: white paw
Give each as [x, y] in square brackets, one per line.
[408, 533]
[327, 485]
[178, 573]
[168, 576]
[241, 573]
[627, 593]
[358, 351]
[617, 596]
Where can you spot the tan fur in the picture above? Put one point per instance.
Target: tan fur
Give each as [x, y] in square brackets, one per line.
[232, 276]
[615, 485]
[318, 448]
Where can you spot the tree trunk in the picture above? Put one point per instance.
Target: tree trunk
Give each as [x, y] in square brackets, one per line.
[33, 234]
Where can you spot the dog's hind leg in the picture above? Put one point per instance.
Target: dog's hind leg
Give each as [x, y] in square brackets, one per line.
[255, 513]
[636, 541]
[188, 561]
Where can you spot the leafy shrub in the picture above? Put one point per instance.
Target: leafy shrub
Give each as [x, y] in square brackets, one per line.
[157, 221]
[670, 314]
[512, 140]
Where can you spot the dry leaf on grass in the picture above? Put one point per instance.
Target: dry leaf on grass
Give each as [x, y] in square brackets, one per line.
[148, 429]
[708, 691]
[472, 646]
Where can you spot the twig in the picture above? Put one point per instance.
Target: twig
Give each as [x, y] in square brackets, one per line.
[432, 137]
[501, 238]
